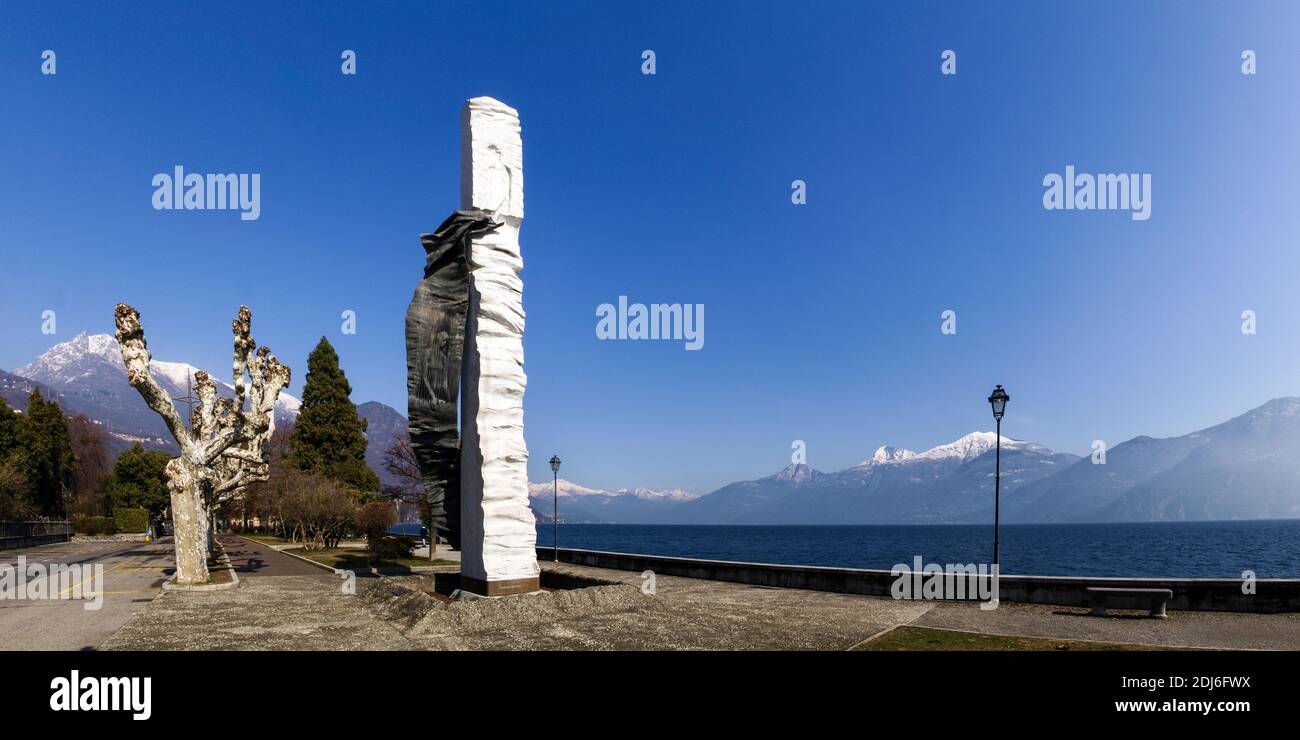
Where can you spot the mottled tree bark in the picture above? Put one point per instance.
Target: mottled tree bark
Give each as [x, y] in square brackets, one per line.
[435, 340]
[224, 448]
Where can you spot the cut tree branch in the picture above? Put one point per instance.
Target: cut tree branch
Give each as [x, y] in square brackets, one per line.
[135, 354]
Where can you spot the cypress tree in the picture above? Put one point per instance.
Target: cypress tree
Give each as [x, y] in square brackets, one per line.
[11, 424]
[15, 493]
[46, 457]
[329, 438]
[139, 480]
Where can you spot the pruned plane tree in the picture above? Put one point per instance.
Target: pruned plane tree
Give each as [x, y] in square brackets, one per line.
[225, 446]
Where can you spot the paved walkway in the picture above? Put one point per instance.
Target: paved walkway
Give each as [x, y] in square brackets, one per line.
[313, 612]
[682, 614]
[133, 573]
[252, 558]
[274, 610]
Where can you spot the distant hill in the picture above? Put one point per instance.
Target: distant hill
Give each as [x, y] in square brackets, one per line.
[384, 424]
[15, 389]
[1245, 468]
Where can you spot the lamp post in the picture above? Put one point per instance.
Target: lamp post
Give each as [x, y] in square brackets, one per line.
[998, 400]
[555, 508]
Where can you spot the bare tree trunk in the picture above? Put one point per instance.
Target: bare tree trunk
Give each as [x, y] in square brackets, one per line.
[190, 523]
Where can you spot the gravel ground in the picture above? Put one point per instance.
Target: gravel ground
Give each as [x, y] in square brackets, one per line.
[312, 613]
[264, 613]
[291, 612]
[683, 614]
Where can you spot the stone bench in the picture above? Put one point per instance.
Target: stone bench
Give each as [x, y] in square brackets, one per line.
[1130, 598]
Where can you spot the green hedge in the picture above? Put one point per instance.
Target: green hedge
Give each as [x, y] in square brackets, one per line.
[134, 521]
[389, 547]
[95, 525]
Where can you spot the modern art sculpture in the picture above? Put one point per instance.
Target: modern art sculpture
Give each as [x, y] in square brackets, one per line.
[464, 330]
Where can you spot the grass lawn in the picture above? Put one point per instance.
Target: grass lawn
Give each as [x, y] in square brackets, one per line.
[268, 538]
[354, 559]
[275, 539]
[925, 638]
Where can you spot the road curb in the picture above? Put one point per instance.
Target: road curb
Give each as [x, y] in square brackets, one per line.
[171, 585]
[417, 570]
[320, 565]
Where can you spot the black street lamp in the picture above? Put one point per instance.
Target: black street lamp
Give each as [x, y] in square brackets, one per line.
[555, 507]
[998, 400]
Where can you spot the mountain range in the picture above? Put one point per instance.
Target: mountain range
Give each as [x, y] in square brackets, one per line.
[948, 483]
[1245, 468]
[86, 375]
[597, 505]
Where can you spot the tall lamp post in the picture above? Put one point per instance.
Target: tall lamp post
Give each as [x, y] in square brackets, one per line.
[555, 508]
[998, 400]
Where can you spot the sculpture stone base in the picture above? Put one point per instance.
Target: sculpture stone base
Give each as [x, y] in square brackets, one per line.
[500, 588]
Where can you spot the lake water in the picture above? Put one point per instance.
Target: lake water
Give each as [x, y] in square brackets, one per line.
[1169, 549]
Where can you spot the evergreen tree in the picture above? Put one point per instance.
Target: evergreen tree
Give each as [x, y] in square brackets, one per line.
[329, 438]
[139, 480]
[11, 435]
[92, 463]
[14, 489]
[46, 457]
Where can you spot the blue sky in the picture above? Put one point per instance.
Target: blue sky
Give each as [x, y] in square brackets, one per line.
[822, 320]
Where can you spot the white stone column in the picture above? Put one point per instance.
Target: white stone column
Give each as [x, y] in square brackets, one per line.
[499, 538]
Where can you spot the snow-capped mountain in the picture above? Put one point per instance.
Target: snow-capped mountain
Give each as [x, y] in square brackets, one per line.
[968, 447]
[951, 482]
[87, 374]
[1245, 468]
[569, 489]
[888, 454]
[580, 504]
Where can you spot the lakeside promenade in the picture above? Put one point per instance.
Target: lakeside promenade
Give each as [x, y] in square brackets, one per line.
[282, 608]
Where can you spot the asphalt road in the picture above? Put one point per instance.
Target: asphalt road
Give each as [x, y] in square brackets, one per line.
[133, 574]
[251, 558]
